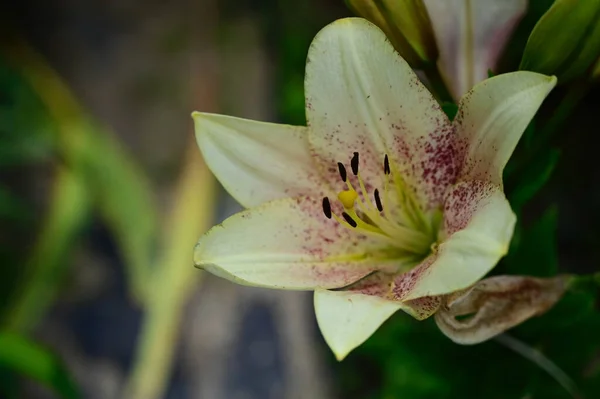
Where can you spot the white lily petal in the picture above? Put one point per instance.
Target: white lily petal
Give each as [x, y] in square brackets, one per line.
[470, 37]
[347, 319]
[496, 304]
[492, 117]
[255, 161]
[479, 224]
[362, 96]
[289, 244]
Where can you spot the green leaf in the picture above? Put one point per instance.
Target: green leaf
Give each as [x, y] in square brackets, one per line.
[11, 207]
[67, 214]
[533, 179]
[117, 186]
[24, 126]
[25, 357]
[536, 253]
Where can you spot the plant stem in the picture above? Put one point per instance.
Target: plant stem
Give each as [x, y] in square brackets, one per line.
[542, 361]
[174, 279]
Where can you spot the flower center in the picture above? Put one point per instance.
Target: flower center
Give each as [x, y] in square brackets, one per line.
[391, 214]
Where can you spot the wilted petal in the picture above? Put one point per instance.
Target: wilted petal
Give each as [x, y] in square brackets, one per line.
[362, 96]
[471, 36]
[478, 223]
[255, 161]
[289, 244]
[347, 319]
[491, 119]
[496, 304]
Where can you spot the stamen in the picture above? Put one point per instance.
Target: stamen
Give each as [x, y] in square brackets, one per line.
[378, 201]
[326, 208]
[342, 171]
[354, 163]
[347, 198]
[386, 165]
[349, 219]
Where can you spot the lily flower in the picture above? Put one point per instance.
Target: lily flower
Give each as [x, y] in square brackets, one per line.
[381, 203]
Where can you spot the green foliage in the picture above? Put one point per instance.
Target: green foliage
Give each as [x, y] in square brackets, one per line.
[26, 132]
[47, 264]
[450, 109]
[534, 250]
[533, 179]
[413, 360]
[22, 356]
[40, 121]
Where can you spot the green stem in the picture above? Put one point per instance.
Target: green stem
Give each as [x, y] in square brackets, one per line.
[173, 281]
[537, 357]
[437, 85]
[585, 280]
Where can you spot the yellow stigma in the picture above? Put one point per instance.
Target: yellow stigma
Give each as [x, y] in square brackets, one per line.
[347, 198]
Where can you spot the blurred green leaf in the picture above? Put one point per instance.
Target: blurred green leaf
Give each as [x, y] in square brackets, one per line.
[536, 253]
[533, 179]
[116, 186]
[67, 214]
[9, 384]
[29, 359]
[122, 194]
[25, 130]
[11, 207]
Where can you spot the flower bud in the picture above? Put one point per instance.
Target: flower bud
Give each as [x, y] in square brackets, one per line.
[565, 41]
[406, 24]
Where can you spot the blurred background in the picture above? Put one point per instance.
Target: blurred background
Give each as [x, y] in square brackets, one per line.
[103, 195]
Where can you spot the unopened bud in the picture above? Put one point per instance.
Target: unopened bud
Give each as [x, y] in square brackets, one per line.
[566, 40]
[406, 24]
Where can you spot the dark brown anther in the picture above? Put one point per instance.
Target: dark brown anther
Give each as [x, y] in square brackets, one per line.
[386, 165]
[378, 201]
[354, 163]
[342, 171]
[349, 219]
[326, 208]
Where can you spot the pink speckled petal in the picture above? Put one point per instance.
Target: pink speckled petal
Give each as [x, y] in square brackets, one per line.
[471, 36]
[362, 96]
[496, 304]
[289, 244]
[382, 284]
[478, 226]
[491, 119]
[255, 161]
